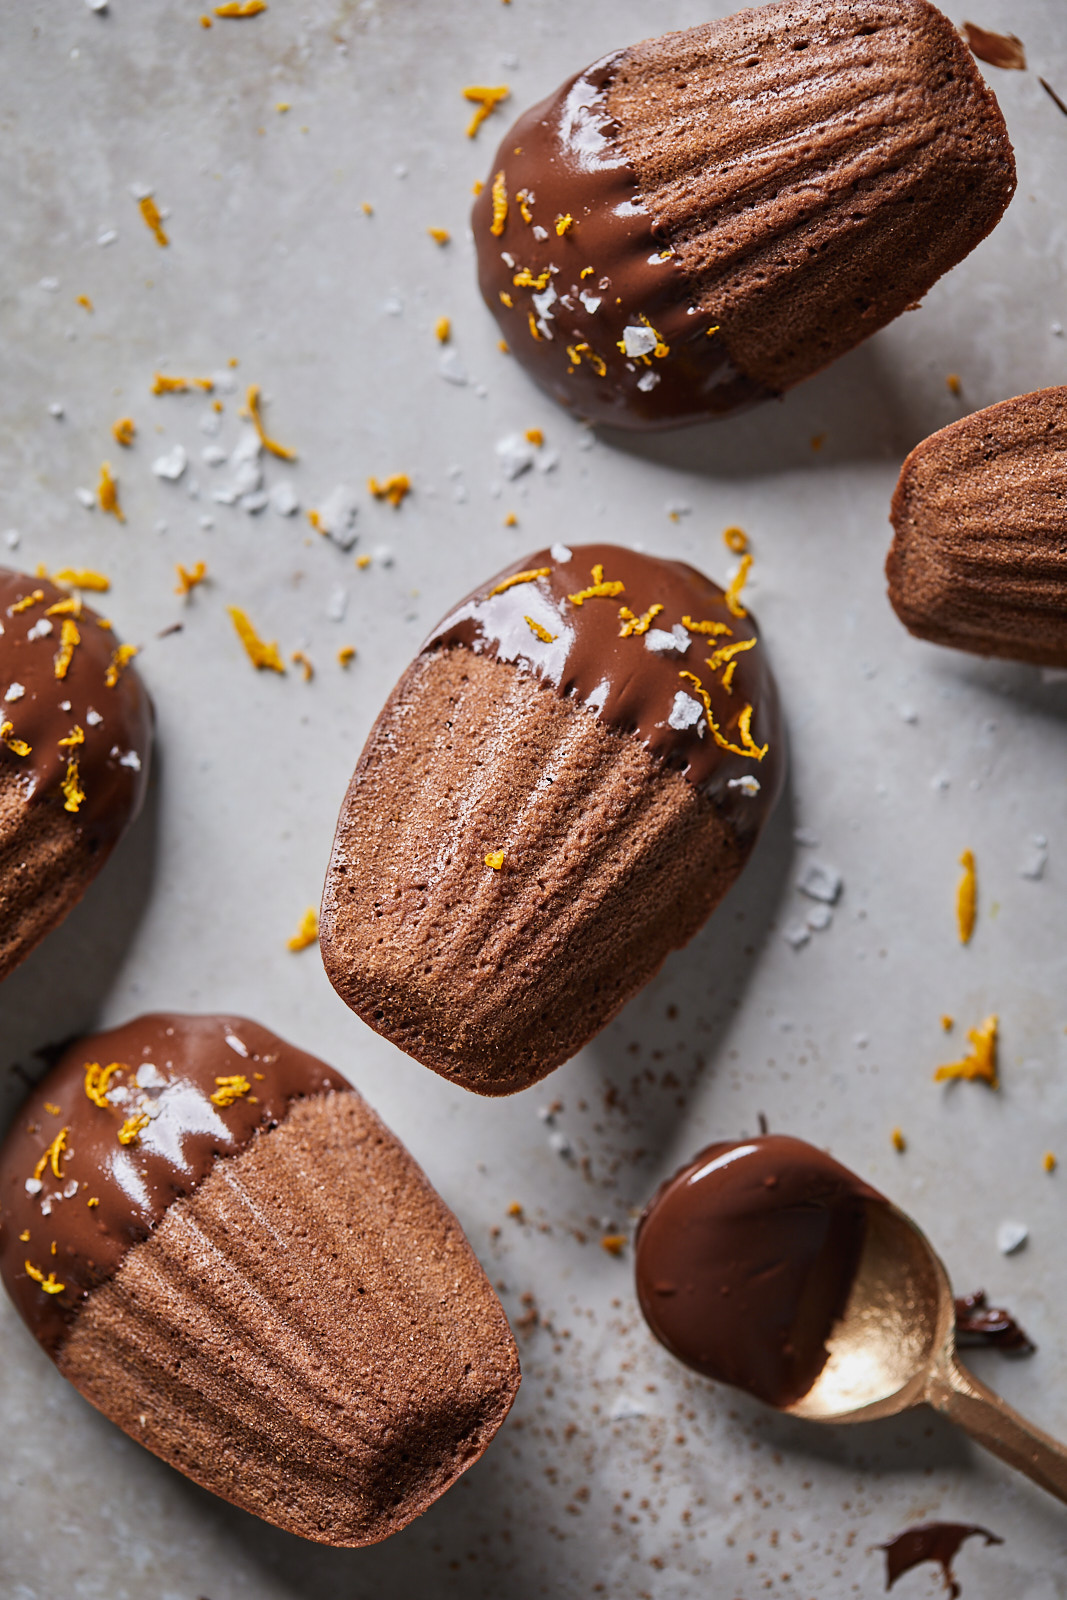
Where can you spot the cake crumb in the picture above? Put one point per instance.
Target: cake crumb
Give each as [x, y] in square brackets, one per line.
[307, 933]
[981, 1061]
[486, 100]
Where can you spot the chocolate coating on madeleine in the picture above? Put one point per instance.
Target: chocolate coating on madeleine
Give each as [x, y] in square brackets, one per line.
[183, 1090]
[573, 305]
[69, 692]
[616, 653]
[745, 1259]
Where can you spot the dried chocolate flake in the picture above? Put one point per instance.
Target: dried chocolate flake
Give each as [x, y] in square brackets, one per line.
[979, 1324]
[995, 49]
[931, 1541]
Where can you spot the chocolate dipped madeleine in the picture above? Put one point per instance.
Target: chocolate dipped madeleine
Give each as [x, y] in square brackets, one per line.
[75, 737]
[226, 1252]
[560, 789]
[745, 1258]
[979, 553]
[705, 219]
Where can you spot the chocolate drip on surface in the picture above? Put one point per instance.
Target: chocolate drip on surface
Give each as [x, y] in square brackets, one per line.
[931, 1541]
[112, 756]
[745, 1259]
[170, 1067]
[566, 328]
[580, 653]
[979, 1324]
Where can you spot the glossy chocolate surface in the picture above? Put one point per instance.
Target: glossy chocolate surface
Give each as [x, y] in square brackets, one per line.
[745, 1259]
[581, 651]
[574, 294]
[980, 1325]
[170, 1068]
[67, 711]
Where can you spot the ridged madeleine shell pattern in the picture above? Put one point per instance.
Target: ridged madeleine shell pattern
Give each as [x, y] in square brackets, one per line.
[309, 1334]
[494, 976]
[816, 166]
[979, 555]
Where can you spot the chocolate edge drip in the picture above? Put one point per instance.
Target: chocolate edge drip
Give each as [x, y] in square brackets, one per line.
[562, 152]
[737, 1276]
[169, 1155]
[939, 1542]
[111, 760]
[630, 687]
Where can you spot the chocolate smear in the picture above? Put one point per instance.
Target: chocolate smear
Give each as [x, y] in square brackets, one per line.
[931, 1541]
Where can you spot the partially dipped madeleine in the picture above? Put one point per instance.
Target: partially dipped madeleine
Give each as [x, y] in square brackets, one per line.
[702, 220]
[75, 739]
[225, 1251]
[558, 792]
[979, 553]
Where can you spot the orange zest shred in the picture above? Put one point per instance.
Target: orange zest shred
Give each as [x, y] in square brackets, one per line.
[97, 1079]
[69, 639]
[73, 793]
[107, 492]
[748, 746]
[363, 562]
[727, 652]
[744, 728]
[535, 332]
[82, 578]
[120, 660]
[52, 1156]
[505, 299]
[511, 520]
[966, 897]
[443, 329]
[241, 8]
[948, 1023]
[598, 589]
[539, 632]
[1049, 1162]
[439, 235]
[735, 539]
[50, 1285]
[737, 583]
[130, 1132]
[263, 656]
[486, 100]
[614, 1243]
[519, 577]
[123, 431]
[535, 436]
[161, 384]
[300, 659]
[981, 1061]
[84, 301]
[307, 933]
[564, 223]
[500, 205]
[74, 738]
[18, 747]
[316, 521]
[346, 654]
[524, 200]
[70, 607]
[495, 859]
[524, 279]
[394, 489]
[898, 1141]
[631, 623]
[727, 679]
[153, 221]
[270, 445]
[230, 1088]
[189, 578]
[25, 603]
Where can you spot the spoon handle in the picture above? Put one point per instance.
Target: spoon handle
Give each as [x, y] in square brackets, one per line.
[956, 1394]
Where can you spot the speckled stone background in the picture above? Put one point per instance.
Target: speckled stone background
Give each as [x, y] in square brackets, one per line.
[618, 1474]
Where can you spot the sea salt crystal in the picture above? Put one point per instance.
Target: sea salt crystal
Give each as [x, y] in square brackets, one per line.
[214, 455]
[283, 499]
[57, 409]
[1034, 865]
[660, 642]
[337, 516]
[15, 692]
[12, 538]
[128, 758]
[797, 935]
[1011, 1236]
[337, 604]
[821, 882]
[93, 718]
[806, 836]
[86, 497]
[539, 233]
[561, 553]
[255, 502]
[559, 1144]
[647, 381]
[40, 630]
[638, 340]
[819, 917]
[685, 712]
[515, 455]
[591, 302]
[747, 785]
[34, 1185]
[171, 465]
[107, 236]
[451, 368]
[626, 1409]
[236, 1044]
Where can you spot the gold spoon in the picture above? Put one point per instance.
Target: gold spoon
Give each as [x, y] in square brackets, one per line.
[895, 1347]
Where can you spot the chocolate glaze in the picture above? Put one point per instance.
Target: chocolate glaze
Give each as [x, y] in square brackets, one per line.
[628, 685]
[564, 153]
[112, 760]
[979, 1324]
[133, 1183]
[745, 1259]
[931, 1541]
